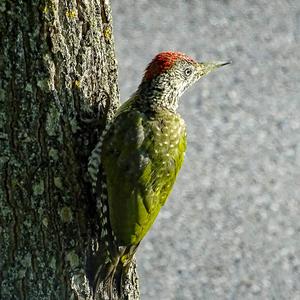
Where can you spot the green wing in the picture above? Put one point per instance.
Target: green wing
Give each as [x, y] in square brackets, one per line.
[141, 159]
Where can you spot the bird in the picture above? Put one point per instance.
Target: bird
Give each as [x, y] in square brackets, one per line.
[141, 152]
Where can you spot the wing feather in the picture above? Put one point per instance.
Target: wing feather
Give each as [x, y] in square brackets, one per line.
[140, 172]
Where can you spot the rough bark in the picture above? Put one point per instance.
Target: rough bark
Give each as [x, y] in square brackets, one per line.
[58, 75]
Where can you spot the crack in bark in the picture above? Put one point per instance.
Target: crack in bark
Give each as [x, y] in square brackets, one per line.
[104, 13]
[9, 200]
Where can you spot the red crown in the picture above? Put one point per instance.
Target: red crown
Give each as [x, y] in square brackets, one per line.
[163, 62]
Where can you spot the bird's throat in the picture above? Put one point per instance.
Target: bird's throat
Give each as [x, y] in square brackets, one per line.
[156, 97]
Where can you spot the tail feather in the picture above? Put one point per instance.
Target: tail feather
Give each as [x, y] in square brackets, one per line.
[110, 276]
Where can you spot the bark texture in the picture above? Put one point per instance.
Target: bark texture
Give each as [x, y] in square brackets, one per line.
[58, 75]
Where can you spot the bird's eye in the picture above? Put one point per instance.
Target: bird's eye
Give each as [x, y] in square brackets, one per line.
[187, 71]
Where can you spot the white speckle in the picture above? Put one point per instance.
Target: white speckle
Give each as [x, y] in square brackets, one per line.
[163, 162]
[167, 154]
[172, 146]
[104, 222]
[103, 234]
[155, 151]
[95, 246]
[104, 209]
[168, 174]
[160, 144]
[166, 143]
[106, 243]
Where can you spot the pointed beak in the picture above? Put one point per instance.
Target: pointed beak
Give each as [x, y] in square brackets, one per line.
[222, 63]
[207, 67]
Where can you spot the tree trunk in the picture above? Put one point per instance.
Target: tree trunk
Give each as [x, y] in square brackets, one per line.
[58, 87]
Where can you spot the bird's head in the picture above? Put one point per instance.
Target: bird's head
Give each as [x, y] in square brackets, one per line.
[169, 74]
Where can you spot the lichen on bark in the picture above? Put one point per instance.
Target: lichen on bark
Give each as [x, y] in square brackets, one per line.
[58, 75]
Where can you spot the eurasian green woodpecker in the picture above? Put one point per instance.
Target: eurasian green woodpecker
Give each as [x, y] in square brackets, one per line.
[143, 147]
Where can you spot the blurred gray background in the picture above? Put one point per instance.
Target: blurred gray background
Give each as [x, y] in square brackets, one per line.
[231, 228]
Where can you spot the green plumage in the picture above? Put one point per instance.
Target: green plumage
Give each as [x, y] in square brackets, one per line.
[141, 155]
[141, 152]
